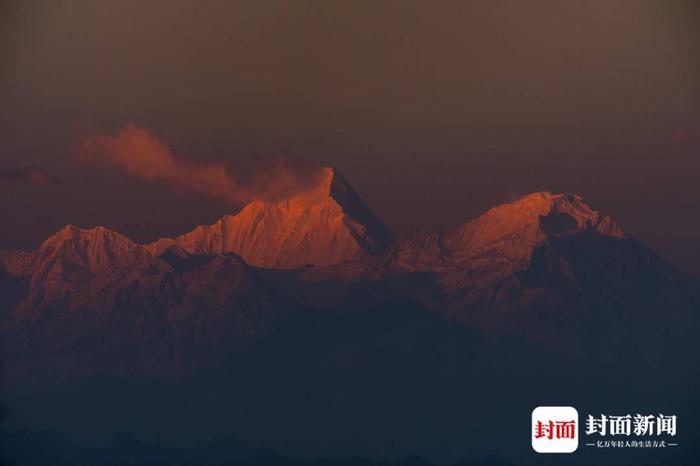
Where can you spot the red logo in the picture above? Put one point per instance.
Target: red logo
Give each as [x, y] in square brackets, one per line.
[556, 429]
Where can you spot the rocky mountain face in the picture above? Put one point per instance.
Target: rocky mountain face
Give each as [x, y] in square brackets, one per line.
[96, 294]
[504, 237]
[67, 264]
[310, 309]
[324, 226]
[546, 267]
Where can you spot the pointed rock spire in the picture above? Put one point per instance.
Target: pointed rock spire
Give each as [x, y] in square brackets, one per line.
[324, 225]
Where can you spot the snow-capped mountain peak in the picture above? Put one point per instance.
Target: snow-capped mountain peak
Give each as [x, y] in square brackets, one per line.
[324, 225]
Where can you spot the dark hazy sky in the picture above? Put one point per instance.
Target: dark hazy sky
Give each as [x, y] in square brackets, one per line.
[433, 110]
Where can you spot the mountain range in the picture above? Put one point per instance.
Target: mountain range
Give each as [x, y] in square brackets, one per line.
[308, 327]
[546, 267]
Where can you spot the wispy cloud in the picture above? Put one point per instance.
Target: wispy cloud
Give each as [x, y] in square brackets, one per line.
[141, 154]
[29, 175]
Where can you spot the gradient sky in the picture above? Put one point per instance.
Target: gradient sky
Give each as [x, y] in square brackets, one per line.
[434, 111]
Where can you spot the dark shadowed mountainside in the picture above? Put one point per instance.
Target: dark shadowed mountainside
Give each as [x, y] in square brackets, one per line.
[348, 342]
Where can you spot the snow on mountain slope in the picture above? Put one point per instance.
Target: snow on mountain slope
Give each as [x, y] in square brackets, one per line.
[546, 266]
[504, 236]
[326, 225]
